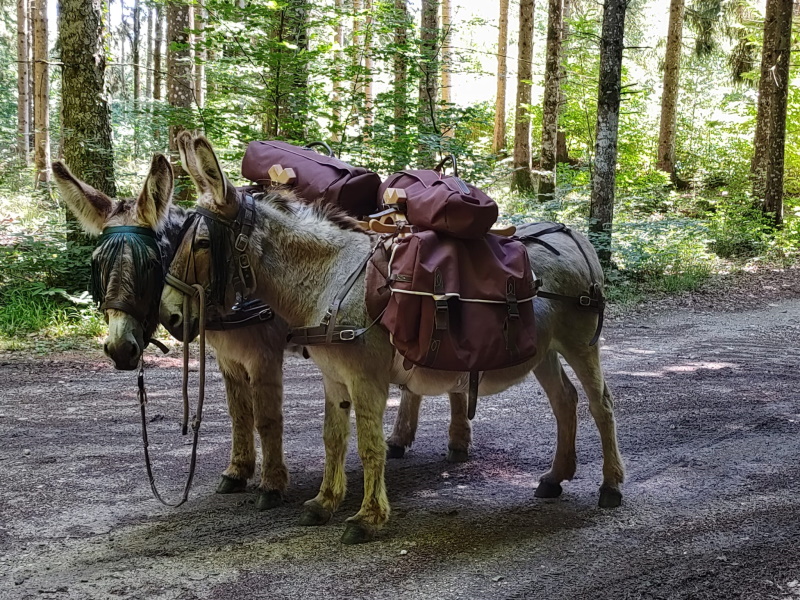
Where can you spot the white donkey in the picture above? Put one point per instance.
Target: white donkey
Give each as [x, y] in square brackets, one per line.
[302, 257]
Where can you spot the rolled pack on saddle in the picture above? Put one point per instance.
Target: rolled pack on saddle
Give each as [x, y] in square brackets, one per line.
[461, 297]
[312, 176]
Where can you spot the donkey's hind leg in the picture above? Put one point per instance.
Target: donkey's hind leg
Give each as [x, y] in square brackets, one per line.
[460, 429]
[243, 456]
[267, 393]
[405, 425]
[586, 364]
[564, 401]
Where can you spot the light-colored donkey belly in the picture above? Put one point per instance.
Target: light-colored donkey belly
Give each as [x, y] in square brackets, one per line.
[427, 382]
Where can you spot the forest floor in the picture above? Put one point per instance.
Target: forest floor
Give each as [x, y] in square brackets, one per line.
[707, 391]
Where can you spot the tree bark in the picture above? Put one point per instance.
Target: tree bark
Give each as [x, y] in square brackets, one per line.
[180, 85]
[400, 85]
[428, 81]
[148, 78]
[41, 98]
[31, 81]
[669, 96]
[158, 42]
[773, 90]
[368, 90]
[499, 137]
[135, 55]
[522, 179]
[447, 25]
[601, 215]
[200, 56]
[23, 90]
[551, 102]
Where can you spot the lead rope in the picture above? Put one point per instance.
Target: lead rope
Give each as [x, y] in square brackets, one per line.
[200, 293]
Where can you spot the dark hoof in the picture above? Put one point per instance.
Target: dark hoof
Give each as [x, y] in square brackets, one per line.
[548, 489]
[268, 499]
[457, 456]
[395, 451]
[231, 485]
[609, 497]
[358, 532]
[314, 514]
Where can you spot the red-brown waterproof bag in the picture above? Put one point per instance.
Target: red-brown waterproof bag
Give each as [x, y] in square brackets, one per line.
[461, 305]
[313, 176]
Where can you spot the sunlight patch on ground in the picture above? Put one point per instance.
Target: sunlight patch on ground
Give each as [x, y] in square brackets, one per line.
[685, 368]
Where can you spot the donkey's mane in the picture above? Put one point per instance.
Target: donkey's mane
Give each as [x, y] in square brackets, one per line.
[286, 201]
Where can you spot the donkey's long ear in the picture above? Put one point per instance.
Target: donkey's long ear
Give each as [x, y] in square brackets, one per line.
[90, 206]
[153, 203]
[209, 166]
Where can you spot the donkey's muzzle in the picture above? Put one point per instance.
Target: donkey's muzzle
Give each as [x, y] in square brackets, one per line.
[125, 352]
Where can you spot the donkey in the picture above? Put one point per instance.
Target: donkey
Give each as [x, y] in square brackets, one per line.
[302, 257]
[250, 359]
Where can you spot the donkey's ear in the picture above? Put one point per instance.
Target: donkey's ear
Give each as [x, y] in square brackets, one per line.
[153, 203]
[90, 206]
[209, 167]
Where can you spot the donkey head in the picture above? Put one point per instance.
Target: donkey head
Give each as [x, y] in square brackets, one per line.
[126, 265]
[204, 254]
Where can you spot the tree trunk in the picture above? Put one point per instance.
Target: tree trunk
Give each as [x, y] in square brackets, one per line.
[41, 98]
[135, 42]
[157, 45]
[200, 56]
[338, 42]
[522, 180]
[148, 78]
[368, 91]
[31, 81]
[601, 215]
[773, 90]
[499, 138]
[401, 153]
[551, 101]
[669, 97]
[180, 85]
[447, 25]
[429, 73]
[23, 97]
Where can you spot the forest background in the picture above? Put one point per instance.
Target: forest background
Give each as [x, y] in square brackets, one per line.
[675, 145]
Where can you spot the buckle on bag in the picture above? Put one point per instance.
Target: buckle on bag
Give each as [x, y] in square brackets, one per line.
[241, 242]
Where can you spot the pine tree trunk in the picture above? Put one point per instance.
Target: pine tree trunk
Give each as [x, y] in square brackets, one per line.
[669, 97]
[562, 153]
[23, 90]
[368, 91]
[601, 214]
[148, 78]
[551, 102]
[447, 24]
[522, 179]
[429, 74]
[41, 98]
[31, 81]
[338, 42]
[773, 91]
[400, 85]
[135, 42]
[499, 137]
[200, 56]
[158, 42]
[180, 85]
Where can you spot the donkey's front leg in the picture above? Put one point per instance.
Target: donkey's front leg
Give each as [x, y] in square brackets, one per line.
[335, 431]
[369, 398]
[243, 454]
[267, 392]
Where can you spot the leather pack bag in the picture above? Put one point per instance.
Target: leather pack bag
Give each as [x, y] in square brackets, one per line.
[312, 175]
[461, 306]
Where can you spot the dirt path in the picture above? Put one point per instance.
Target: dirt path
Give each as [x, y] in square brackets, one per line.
[708, 406]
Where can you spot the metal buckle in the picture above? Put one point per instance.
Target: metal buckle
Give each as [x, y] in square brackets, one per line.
[241, 242]
[244, 261]
[265, 315]
[585, 301]
[347, 335]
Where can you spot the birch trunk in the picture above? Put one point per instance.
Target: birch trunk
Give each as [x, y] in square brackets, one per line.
[499, 137]
[551, 101]
[23, 89]
[669, 97]
[601, 214]
[41, 97]
[522, 180]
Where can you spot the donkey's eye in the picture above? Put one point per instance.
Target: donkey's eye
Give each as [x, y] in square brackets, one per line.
[203, 243]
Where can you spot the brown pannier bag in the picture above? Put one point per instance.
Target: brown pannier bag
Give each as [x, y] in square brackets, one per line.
[461, 305]
[313, 175]
[441, 203]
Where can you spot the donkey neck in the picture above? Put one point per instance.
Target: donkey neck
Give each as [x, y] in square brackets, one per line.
[168, 234]
[303, 259]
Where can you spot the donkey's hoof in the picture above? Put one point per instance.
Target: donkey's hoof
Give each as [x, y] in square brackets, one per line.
[548, 489]
[457, 456]
[314, 514]
[609, 497]
[268, 499]
[395, 451]
[358, 532]
[231, 485]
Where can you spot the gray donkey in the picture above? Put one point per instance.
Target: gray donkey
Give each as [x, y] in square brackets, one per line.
[250, 358]
[302, 256]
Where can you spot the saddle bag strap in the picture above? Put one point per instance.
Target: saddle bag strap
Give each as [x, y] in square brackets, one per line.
[472, 395]
[512, 322]
[441, 318]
